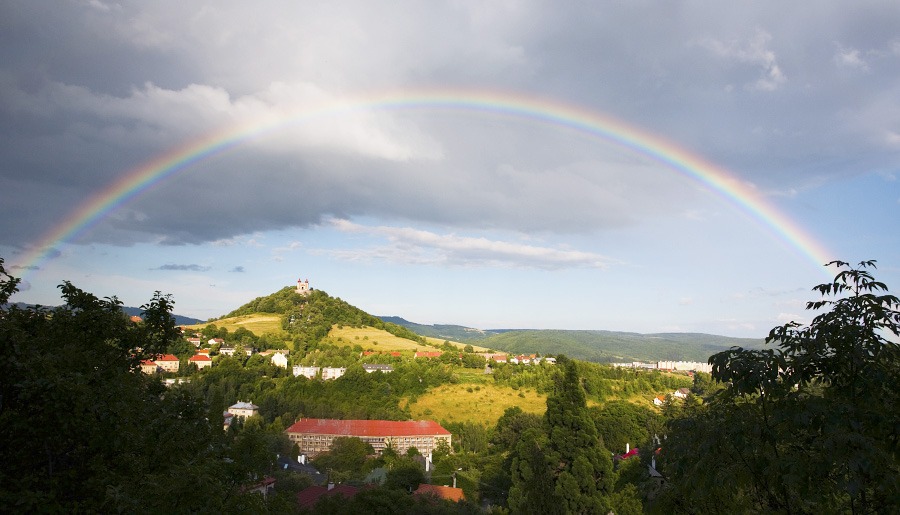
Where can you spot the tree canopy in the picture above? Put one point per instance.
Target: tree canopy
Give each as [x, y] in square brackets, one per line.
[810, 426]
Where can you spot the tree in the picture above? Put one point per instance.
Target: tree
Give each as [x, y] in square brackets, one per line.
[346, 458]
[81, 429]
[405, 473]
[565, 468]
[807, 427]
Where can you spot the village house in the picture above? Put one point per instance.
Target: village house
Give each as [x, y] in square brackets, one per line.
[201, 360]
[148, 366]
[682, 393]
[196, 342]
[659, 400]
[279, 360]
[167, 362]
[428, 354]
[278, 356]
[369, 368]
[216, 341]
[497, 358]
[315, 435]
[312, 372]
[244, 409]
[229, 351]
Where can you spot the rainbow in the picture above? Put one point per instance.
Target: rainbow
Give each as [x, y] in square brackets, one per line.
[542, 110]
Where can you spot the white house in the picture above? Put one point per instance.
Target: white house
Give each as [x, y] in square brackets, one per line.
[244, 409]
[279, 360]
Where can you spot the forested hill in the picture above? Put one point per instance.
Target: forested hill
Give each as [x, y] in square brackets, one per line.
[456, 333]
[310, 318]
[596, 346]
[611, 346]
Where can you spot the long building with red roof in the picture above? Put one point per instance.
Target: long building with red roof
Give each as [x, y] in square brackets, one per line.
[315, 435]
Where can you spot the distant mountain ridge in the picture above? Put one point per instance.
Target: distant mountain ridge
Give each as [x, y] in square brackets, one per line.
[132, 311]
[591, 345]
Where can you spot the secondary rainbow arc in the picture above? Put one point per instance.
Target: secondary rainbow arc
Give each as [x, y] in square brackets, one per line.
[137, 180]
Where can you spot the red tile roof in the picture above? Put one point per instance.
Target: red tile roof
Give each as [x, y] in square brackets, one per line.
[444, 492]
[425, 354]
[324, 426]
[166, 357]
[200, 357]
[308, 497]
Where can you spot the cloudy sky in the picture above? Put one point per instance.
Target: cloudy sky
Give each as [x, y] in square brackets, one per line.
[422, 159]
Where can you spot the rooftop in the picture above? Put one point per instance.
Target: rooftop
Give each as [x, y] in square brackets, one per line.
[367, 427]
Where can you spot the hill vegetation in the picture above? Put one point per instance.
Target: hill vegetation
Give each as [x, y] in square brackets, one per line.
[807, 425]
[597, 346]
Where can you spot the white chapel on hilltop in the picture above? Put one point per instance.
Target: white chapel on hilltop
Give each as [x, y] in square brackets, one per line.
[303, 287]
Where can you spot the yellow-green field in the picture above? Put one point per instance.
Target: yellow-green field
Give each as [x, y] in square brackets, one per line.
[370, 338]
[257, 323]
[482, 403]
[437, 342]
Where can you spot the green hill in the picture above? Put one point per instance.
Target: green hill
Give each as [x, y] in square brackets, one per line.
[596, 346]
[308, 319]
[611, 346]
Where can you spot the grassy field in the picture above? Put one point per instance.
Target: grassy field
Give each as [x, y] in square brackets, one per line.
[437, 342]
[257, 323]
[481, 403]
[370, 338]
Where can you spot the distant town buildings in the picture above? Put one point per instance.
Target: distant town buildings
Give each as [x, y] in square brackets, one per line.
[312, 372]
[668, 366]
[315, 435]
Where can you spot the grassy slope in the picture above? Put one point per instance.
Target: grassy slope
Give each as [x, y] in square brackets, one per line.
[370, 338]
[257, 323]
[484, 404]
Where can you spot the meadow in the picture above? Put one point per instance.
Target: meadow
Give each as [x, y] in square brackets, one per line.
[257, 323]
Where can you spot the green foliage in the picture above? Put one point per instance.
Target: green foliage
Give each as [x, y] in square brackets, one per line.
[612, 346]
[310, 320]
[620, 423]
[510, 427]
[345, 460]
[565, 468]
[283, 301]
[81, 429]
[808, 427]
[405, 474]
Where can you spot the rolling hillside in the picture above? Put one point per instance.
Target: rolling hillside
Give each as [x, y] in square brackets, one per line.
[596, 346]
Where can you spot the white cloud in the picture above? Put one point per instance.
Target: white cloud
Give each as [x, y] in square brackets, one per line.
[754, 51]
[416, 246]
[850, 58]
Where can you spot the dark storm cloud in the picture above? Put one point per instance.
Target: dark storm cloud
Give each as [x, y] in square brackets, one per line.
[784, 96]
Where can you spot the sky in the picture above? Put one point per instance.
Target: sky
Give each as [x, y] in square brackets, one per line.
[628, 166]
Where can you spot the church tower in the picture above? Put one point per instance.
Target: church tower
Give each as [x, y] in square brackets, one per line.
[303, 287]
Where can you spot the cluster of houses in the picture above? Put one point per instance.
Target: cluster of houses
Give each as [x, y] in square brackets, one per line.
[668, 366]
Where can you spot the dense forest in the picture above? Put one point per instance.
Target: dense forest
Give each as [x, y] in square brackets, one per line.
[805, 425]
